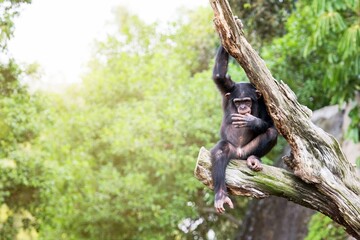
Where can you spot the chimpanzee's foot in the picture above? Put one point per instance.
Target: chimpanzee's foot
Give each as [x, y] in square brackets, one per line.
[254, 163]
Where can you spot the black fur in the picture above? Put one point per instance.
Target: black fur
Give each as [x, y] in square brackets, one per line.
[242, 135]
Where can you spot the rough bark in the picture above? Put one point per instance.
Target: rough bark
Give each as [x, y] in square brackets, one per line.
[289, 221]
[322, 177]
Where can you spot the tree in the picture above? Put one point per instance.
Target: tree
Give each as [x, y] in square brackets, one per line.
[264, 20]
[9, 9]
[319, 56]
[125, 127]
[322, 178]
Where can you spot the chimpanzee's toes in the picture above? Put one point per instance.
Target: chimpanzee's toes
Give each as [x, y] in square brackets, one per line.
[254, 163]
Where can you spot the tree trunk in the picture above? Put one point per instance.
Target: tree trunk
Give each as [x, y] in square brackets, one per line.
[322, 178]
[288, 219]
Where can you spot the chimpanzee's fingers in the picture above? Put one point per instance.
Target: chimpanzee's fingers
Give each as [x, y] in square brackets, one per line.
[228, 201]
[258, 167]
[222, 210]
[239, 124]
[238, 118]
[219, 207]
[254, 163]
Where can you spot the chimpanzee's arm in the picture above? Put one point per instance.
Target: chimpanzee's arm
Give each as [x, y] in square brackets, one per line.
[220, 77]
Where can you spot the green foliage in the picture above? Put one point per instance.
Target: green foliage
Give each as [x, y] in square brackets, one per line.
[354, 127]
[337, 35]
[263, 20]
[286, 60]
[8, 10]
[21, 171]
[122, 163]
[322, 227]
[22, 175]
[319, 56]
[113, 157]
[358, 162]
[195, 51]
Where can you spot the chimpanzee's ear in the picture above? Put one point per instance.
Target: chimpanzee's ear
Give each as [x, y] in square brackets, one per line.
[258, 94]
[227, 95]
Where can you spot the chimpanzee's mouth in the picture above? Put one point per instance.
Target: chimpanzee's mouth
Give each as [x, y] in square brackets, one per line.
[243, 111]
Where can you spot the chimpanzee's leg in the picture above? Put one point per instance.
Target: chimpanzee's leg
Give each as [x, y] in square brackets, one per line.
[257, 148]
[220, 157]
[260, 145]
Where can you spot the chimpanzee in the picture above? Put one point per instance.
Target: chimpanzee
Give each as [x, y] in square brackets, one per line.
[247, 131]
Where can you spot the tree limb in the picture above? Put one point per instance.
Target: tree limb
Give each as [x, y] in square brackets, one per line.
[328, 181]
[242, 181]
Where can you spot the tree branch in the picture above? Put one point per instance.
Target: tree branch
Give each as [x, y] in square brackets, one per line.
[324, 180]
[242, 181]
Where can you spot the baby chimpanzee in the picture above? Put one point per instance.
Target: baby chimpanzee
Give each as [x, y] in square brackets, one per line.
[247, 131]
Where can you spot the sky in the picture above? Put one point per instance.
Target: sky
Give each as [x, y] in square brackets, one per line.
[59, 34]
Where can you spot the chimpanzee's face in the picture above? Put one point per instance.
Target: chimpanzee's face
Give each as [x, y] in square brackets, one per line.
[243, 96]
[243, 105]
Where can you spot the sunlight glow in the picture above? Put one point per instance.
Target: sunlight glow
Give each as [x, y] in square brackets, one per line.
[59, 34]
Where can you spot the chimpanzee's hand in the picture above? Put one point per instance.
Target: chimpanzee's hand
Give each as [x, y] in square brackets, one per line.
[241, 120]
[220, 199]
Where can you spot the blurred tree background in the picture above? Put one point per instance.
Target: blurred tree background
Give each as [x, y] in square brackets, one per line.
[113, 157]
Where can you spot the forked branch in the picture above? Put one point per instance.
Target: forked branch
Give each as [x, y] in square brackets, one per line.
[322, 177]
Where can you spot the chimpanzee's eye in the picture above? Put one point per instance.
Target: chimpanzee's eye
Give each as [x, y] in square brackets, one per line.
[245, 101]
